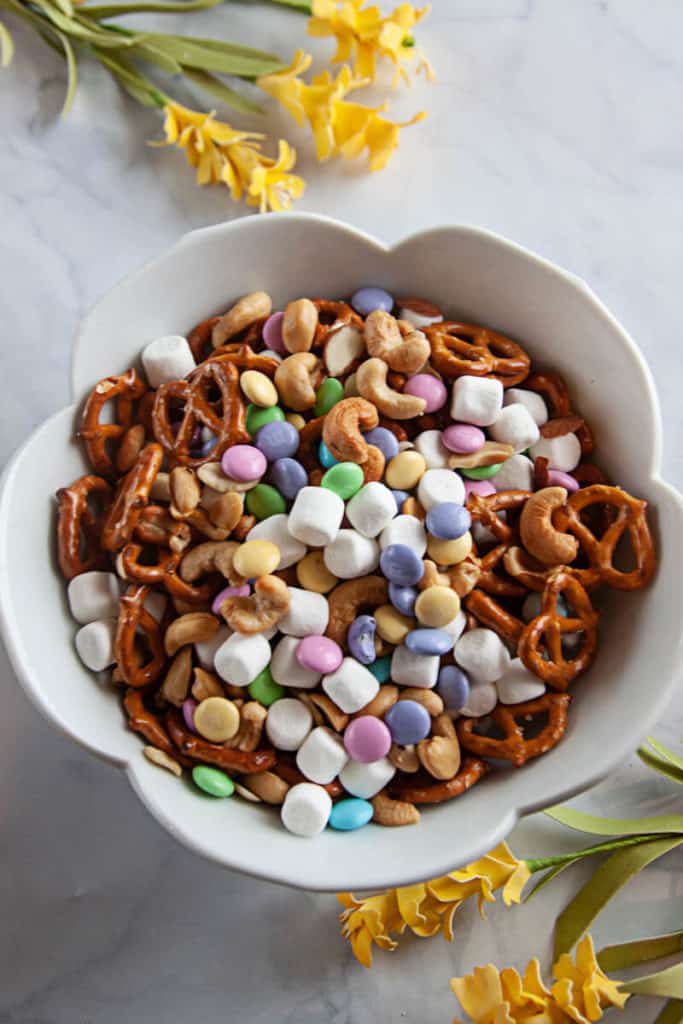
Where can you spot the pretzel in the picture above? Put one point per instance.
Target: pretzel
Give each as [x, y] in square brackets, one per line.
[489, 613]
[460, 348]
[125, 389]
[143, 721]
[133, 620]
[198, 749]
[540, 644]
[78, 527]
[552, 388]
[226, 422]
[490, 582]
[132, 494]
[332, 316]
[199, 338]
[163, 573]
[157, 526]
[243, 357]
[541, 473]
[485, 509]
[309, 436]
[421, 789]
[514, 747]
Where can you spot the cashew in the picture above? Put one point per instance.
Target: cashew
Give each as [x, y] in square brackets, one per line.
[465, 576]
[296, 379]
[342, 429]
[183, 607]
[385, 698]
[404, 353]
[429, 700]
[206, 684]
[342, 348]
[130, 446]
[252, 719]
[185, 492]
[247, 311]
[199, 519]
[189, 629]
[537, 532]
[211, 556]
[350, 386]
[490, 453]
[161, 758]
[267, 786]
[393, 812]
[298, 325]
[177, 680]
[443, 726]
[348, 599]
[521, 566]
[211, 473]
[261, 610]
[432, 577]
[373, 467]
[371, 379]
[321, 702]
[244, 525]
[225, 511]
[404, 758]
[318, 717]
[440, 756]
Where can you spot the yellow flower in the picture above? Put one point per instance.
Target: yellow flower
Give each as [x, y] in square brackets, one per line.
[272, 187]
[583, 990]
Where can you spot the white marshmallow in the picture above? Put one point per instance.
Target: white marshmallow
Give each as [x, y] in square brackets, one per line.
[533, 402]
[456, 627]
[516, 474]
[240, 658]
[286, 670]
[94, 595]
[365, 779]
[342, 347]
[308, 613]
[482, 654]
[518, 684]
[410, 669]
[439, 485]
[563, 453]
[516, 426]
[316, 516]
[155, 603]
[276, 529]
[405, 530]
[306, 809]
[166, 359]
[481, 700]
[351, 686]
[351, 555]
[95, 644]
[371, 509]
[321, 756]
[432, 449]
[206, 649]
[476, 400]
[418, 319]
[288, 723]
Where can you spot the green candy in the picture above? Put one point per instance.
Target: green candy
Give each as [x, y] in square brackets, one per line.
[344, 479]
[257, 417]
[212, 780]
[381, 669]
[264, 501]
[264, 689]
[481, 472]
[331, 391]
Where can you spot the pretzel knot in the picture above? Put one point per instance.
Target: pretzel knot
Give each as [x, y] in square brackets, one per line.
[490, 581]
[201, 750]
[97, 437]
[243, 357]
[512, 721]
[163, 573]
[78, 526]
[131, 496]
[209, 397]
[143, 721]
[332, 316]
[485, 509]
[136, 629]
[200, 339]
[552, 388]
[540, 644]
[418, 789]
[459, 349]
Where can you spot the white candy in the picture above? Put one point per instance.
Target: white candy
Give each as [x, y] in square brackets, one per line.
[286, 670]
[371, 509]
[306, 809]
[432, 449]
[206, 649]
[240, 658]
[95, 644]
[410, 669]
[166, 359]
[321, 756]
[351, 686]
[516, 474]
[316, 516]
[365, 780]
[405, 530]
[418, 319]
[531, 400]
[482, 654]
[351, 555]
[276, 529]
[563, 453]
[308, 613]
[94, 595]
[155, 603]
[476, 400]
[516, 426]
[456, 627]
[518, 684]
[481, 700]
[439, 485]
[288, 723]
[342, 347]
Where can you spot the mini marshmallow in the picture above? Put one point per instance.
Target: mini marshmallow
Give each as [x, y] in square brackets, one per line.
[351, 555]
[286, 670]
[155, 603]
[276, 529]
[406, 530]
[166, 359]
[316, 516]
[308, 614]
[432, 449]
[418, 319]
[351, 687]
[321, 756]
[93, 595]
[516, 474]
[563, 453]
[476, 400]
[533, 402]
[482, 654]
[440, 485]
[206, 649]
[288, 723]
[371, 509]
[481, 700]
[366, 779]
[306, 809]
[516, 426]
[518, 684]
[240, 658]
[95, 644]
[410, 669]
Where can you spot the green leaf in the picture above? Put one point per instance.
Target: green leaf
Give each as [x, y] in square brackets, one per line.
[298, 5]
[65, 7]
[71, 72]
[616, 826]
[6, 47]
[661, 764]
[667, 983]
[609, 878]
[104, 11]
[210, 55]
[151, 54]
[665, 752]
[134, 84]
[626, 954]
[221, 91]
[672, 1013]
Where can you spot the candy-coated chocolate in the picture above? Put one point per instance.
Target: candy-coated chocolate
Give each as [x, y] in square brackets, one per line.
[257, 417]
[429, 641]
[263, 501]
[453, 687]
[243, 591]
[344, 479]
[428, 387]
[402, 598]
[325, 456]
[383, 439]
[188, 709]
[367, 739]
[272, 333]
[258, 388]
[217, 719]
[449, 552]
[287, 476]
[556, 478]
[276, 440]
[296, 419]
[381, 668]
[402, 565]
[212, 780]
[244, 462]
[320, 654]
[264, 689]
[408, 722]
[405, 470]
[256, 558]
[330, 392]
[391, 625]
[361, 639]
[436, 606]
[463, 438]
[350, 814]
[366, 300]
[448, 520]
[482, 472]
[313, 574]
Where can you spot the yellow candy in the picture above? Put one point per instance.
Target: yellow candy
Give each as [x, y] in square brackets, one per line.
[449, 552]
[313, 574]
[296, 420]
[391, 625]
[217, 719]
[405, 470]
[436, 606]
[256, 558]
[258, 388]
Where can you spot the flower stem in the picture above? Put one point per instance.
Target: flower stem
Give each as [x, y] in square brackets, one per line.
[541, 863]
[298, 5]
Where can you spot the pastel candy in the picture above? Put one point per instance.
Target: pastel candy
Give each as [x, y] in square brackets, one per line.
[95, 644]
[563, 453]
[383, 439]
[431, 447]
[448, 520]
[429, 641]
[344, 479]
[482, 654]
[316, 516]
[371, 509]
[166, 359]
[350, 555]
[476, 400]
[325, 456]
[408, 722]
[516, 426]
[319, 654]
[288, 723]
[438, 486]
[350, 814]
[428, 387]
[240, 658]
[308, 613]
[212, 781]
[366, 300]
[264, 689]
[406, 530]
[411, 669]
[556, 478]
[518, 684]
[276, 529]
[223, 595]
[484, 488]
[272, 333]
[351, 687]
[93, 595]
[463, 438]
[381, 668]
[306, 809]
[400, 564]
[288, 476]
[286, 669]
[531, 400]
[276, 440]
[403, 598]
[321, 756]
[367, 739]
[244, 462]
[453, 687]
[360, 639]
[366, 780]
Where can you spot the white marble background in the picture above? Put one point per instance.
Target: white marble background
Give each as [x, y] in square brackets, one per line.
[557, 124]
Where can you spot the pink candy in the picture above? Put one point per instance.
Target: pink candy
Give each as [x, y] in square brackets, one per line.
[189, 707]
[556, 478]
[367, 739]
[243, 591]
[320, 654]
[481, 487]
[244, 462]
[433, 390]
[463, 438]
[272, 333]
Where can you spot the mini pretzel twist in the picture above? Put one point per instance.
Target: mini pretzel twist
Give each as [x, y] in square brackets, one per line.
[132, 494]
[460, 349]
[552, 388]
[124, 389]
[515, 747]
[163, 573]
[488, 612]
[135, 620]
[145, 722]
[419, 789]
[490, 582]
[198, 749]
[78, 527]
[332, 316]
[484, 509]
[243, 357]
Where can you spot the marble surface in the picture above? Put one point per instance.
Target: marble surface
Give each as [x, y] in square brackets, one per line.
[555, 124]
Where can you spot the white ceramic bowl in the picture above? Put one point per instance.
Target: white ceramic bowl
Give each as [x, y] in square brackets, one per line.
[472, 274]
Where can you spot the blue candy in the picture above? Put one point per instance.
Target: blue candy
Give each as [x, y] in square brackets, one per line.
[429, 641]
[448, 521]
[399, 498]
[361, 639]
[383, 439]
[403, 598]
[365, 300]
[401, 565]
[288, 476]
[408, 722]
[453, 687]
[277, 440]
[381, 668]
[325, 456]
[349, 814]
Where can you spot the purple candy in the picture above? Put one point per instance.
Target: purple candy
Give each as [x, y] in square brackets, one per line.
[367, 739]
[433, 390]
[463, 438]
[244, 462]
[429, 641]
[272, 333]
[408, 722]
[243, 591]
[403, 598]
[453, 687]
[401, 565]
[481, 487]
[448, 520]
[288, 476]
[365, 300]
[277, 440]
[319, 653]
[383, 439]
[361, 639]
[556, 478]
[188, 708]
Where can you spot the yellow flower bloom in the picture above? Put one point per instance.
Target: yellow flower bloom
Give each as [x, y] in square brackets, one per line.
[272, 187]
[583, 990]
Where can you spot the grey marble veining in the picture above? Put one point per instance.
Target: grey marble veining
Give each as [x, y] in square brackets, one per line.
[555, 124]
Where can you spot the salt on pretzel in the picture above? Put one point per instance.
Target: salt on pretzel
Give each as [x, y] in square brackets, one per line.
[460, 349]
[420, 789]
[136, 623]
[552, 388]
[78, 527]
[515, 747]
[124, 389]
[130, 498]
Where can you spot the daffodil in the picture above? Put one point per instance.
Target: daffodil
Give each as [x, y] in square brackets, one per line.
[582, 989]
[271, 186]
